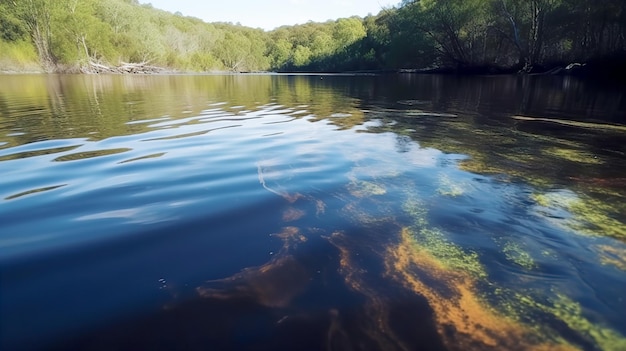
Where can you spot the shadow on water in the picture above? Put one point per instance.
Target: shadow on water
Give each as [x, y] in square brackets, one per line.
[289, 212]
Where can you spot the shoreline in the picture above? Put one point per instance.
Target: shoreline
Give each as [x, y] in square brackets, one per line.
[589, 71]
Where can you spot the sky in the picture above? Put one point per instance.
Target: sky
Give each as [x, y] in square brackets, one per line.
[269, 14]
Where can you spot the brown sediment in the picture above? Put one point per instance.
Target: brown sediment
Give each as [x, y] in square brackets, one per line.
[464, 321]
[292, 214]
[376, 321]
[273, 284]
[291, 237]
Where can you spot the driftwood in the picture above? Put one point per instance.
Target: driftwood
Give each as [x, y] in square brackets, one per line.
[123, 68]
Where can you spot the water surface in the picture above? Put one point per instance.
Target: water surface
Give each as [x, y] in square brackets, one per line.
[276, 212]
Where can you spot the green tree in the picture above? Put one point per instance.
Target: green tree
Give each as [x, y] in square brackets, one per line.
[12, 27]
[242, 51]
[280, 53]
[66, 34]
[79, 36]
[37, 15]
[302, 56]
[348, 30]
[457, 27]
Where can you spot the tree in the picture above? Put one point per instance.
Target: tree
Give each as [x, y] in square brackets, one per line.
[242, 50]
[80, 36]
[458, 27]
[302, 56]
[280, 53]
[12, 28]
[36, 15]
[348, 30]
[463, 34]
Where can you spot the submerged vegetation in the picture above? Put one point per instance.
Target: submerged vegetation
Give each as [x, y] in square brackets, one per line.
[433, 242]
[478, 306]
[583, 213]
[476, 35]
[514, 253]
[469, 306]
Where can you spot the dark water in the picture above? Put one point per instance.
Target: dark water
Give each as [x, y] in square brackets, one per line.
[312, 213]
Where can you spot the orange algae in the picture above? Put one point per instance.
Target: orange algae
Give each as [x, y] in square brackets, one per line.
[464, 321]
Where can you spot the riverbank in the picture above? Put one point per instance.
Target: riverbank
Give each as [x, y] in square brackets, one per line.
[610, 68]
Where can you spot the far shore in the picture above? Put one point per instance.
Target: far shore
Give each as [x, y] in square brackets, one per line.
[610, 70]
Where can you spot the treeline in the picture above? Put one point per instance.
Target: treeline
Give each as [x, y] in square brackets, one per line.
[526, 34]
[72, 35]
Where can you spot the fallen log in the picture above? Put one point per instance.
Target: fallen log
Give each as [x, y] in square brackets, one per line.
[123, 68]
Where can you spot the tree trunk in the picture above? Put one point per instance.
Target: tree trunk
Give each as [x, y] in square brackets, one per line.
[536, 37]
[522, 54]
[37, 18]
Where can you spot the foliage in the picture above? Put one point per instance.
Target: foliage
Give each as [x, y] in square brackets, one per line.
[459, 34]
[11, 27]
[19, 55]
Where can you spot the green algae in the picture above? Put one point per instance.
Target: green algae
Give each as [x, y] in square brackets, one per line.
[520, 307]
[462, 315]
[433, 241]
[363, 188]
[571, 313]
[519, 157]
[516, 254]
[447, 187]
[457, 262]
[586, 125]
[450, 255]
[612, 255]
[482, 164]
[589, 216]
[574, 210]
[599, 215]
[555, 199]
[527, 308]
[573, 155]
[548, 139]
[416, 210]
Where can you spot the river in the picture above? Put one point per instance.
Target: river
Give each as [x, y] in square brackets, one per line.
[312, 212]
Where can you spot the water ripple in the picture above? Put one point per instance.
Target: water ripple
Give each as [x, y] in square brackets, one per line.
[90, 154]
[34, 191]
[151, 120]
[101, 198]
[193, 134]
[157, 155]
[40, 148]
